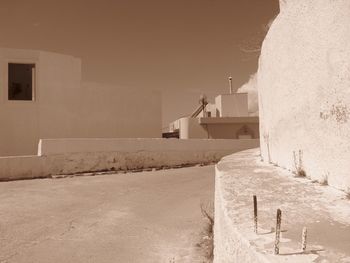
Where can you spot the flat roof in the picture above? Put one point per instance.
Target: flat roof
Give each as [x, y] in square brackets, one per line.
[226, 120]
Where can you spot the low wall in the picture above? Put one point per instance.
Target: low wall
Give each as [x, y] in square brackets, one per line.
[22, 167]
[324, 211]
[69, 156]
[229, 243]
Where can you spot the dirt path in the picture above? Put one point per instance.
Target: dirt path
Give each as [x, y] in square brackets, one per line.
[139, 217]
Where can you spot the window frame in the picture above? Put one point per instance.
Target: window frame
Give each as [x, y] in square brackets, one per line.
[6, 80]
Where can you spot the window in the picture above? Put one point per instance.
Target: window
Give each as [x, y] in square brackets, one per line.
[21, 79]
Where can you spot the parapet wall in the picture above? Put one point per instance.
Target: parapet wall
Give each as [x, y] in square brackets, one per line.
[69, 156]
[304, 90]
[323, 210]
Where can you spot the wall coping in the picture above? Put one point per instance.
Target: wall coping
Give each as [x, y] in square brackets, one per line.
[324, 210]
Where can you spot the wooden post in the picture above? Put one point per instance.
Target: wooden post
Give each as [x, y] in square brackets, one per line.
[303, 239]
[278, 231]
[255, 214]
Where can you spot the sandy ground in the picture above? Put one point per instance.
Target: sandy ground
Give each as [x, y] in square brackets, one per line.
[134, 217]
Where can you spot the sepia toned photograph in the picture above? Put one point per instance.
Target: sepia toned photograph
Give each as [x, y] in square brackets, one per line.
[174, 131]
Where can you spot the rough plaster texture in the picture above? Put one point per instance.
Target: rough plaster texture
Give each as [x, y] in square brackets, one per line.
[68, 156]
[322, 209]
[304, 89]
[64, 108]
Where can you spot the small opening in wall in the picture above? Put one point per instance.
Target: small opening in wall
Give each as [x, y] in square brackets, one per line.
[21, 79]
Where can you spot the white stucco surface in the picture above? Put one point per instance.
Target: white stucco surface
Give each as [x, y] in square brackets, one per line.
[67, 146]
[22, 167]
[232, 105]
[304, 90]
[251, 88]
[63, 107]
[69, 156]
[217, 128]
[190, 128]
[322, 209]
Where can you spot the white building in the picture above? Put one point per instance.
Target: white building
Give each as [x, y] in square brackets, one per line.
[228, 118]
[41, 96]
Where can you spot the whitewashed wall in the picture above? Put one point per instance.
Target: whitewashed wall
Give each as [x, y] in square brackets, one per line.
[304, 90]
[68, 156]
[64, 108]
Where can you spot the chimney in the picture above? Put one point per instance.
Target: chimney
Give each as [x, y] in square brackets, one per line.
[230, 83]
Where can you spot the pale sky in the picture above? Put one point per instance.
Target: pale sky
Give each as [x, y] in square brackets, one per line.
[175, 46]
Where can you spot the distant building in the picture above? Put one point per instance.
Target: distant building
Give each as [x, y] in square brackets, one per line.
[227, 118]
[41, 96]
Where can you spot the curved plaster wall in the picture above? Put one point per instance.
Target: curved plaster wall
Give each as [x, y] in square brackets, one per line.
[304, 90]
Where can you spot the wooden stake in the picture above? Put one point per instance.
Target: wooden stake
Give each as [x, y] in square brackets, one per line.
[278, 231]
[255, 214]
[303, 239]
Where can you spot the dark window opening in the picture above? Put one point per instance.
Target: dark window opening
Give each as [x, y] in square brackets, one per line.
[21, 81]
[175, 134]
